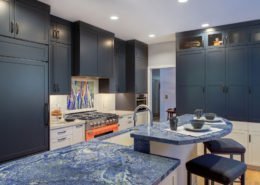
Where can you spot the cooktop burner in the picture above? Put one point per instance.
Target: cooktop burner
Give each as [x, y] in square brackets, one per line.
[92, 116]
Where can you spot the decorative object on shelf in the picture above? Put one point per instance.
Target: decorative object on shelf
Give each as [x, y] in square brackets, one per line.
[173, 123]
[82, 95]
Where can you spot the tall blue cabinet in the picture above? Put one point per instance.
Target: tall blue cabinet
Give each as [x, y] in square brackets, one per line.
[224, 63]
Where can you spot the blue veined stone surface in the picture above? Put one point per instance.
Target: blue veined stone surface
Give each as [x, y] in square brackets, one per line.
[159, 134]
[88, 163]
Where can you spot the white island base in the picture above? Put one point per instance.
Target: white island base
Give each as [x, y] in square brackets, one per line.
[182, 152]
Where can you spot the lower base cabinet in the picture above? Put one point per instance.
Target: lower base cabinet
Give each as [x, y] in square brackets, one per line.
[67, 136]
[127, 121]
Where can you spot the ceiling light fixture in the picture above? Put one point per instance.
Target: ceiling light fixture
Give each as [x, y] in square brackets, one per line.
[114, 17]
[152, 35]
[182, 1]
[205, 25]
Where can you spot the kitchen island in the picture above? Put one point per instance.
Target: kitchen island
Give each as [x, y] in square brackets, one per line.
[160, 140]
[92, 163]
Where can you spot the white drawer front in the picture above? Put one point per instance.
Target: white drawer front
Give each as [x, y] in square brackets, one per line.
[126, 122]
[60, 142]
[78, 134]
[57, 133]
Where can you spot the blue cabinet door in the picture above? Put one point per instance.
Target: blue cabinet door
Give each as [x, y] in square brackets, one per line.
[237, 83]
[215, 81]
[191, 68]
[24, 117]
[189, 98]
[254, 84]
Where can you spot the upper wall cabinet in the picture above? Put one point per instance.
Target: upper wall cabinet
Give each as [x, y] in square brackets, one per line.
[60, 30]
[93, 51]
[190, 42]
[237, 37]
[105, 54]
[25, 20]
[255, 34]
[216, 39]
[137, 66]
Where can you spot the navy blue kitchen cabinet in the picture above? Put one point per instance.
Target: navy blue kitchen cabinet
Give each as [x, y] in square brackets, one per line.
[191, 68]
[60, 68]
[24, 127]
[136, 66]
[254, 84]
[60, 56]
[7, 18]
[93, 51]
[85, 50]
[190, 97]
[117, 83]
[237, 83]
[105, 54]
[236, 37]
[25, 20]
[232, 67]
[215, 81]
[60, 30]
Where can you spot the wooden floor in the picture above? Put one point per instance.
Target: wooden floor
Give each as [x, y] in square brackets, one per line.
[252, 177]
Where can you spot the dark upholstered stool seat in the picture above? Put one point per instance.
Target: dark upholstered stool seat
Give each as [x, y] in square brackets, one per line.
[216, 168]
[225, 146]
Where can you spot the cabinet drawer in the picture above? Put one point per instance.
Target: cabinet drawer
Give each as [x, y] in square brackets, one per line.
[78, 134]
[60, 142]
[61, 132]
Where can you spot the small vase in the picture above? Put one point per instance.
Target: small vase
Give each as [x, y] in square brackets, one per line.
[173, 123]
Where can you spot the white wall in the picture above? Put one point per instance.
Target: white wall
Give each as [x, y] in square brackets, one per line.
[161, 55]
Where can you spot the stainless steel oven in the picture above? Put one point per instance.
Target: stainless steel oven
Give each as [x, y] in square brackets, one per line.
[141, 99]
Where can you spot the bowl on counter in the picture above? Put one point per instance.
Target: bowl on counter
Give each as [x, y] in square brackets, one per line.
[210, 116]
[197, 123]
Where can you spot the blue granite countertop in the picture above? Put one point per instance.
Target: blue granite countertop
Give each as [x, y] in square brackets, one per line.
[91, 163]
[158, 133]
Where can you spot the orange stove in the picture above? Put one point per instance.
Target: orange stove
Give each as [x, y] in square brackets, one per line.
[92, 133]
[97, 123]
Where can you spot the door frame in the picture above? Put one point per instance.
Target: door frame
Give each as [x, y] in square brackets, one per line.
[150, 82]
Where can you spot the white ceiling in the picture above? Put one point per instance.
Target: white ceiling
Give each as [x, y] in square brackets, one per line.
[139, 18]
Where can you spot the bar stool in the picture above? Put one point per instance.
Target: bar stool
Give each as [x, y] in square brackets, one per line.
[170, 112]
[217, 169]
[225, 146]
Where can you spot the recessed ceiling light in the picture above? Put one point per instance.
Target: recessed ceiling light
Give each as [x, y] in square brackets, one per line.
[114, 17]
[205, 25]
[182, 1]
[151, 35]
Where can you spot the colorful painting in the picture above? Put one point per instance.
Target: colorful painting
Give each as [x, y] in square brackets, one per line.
[82, 95]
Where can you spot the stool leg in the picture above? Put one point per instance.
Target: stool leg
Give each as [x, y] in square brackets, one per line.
[205, 149]
[243, 179]
[189, 178]
[242, 158]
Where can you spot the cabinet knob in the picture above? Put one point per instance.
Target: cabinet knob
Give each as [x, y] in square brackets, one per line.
[12, 27]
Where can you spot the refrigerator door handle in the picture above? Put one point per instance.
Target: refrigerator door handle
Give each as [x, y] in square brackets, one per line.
[46, 114]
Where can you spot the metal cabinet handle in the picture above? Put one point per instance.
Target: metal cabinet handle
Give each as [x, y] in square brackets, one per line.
[12, 27]
[53, 33]
[79, 126]
[62, 139]
[46, 114]
[63, 132]
[58, 34]
[250, 138]
[17, 28]
[129, 122]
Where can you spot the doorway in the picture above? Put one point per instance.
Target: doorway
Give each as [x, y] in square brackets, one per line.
[163, 92]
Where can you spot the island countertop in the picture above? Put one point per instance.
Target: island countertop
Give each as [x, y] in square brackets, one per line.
[91, 163]
[158, 133]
